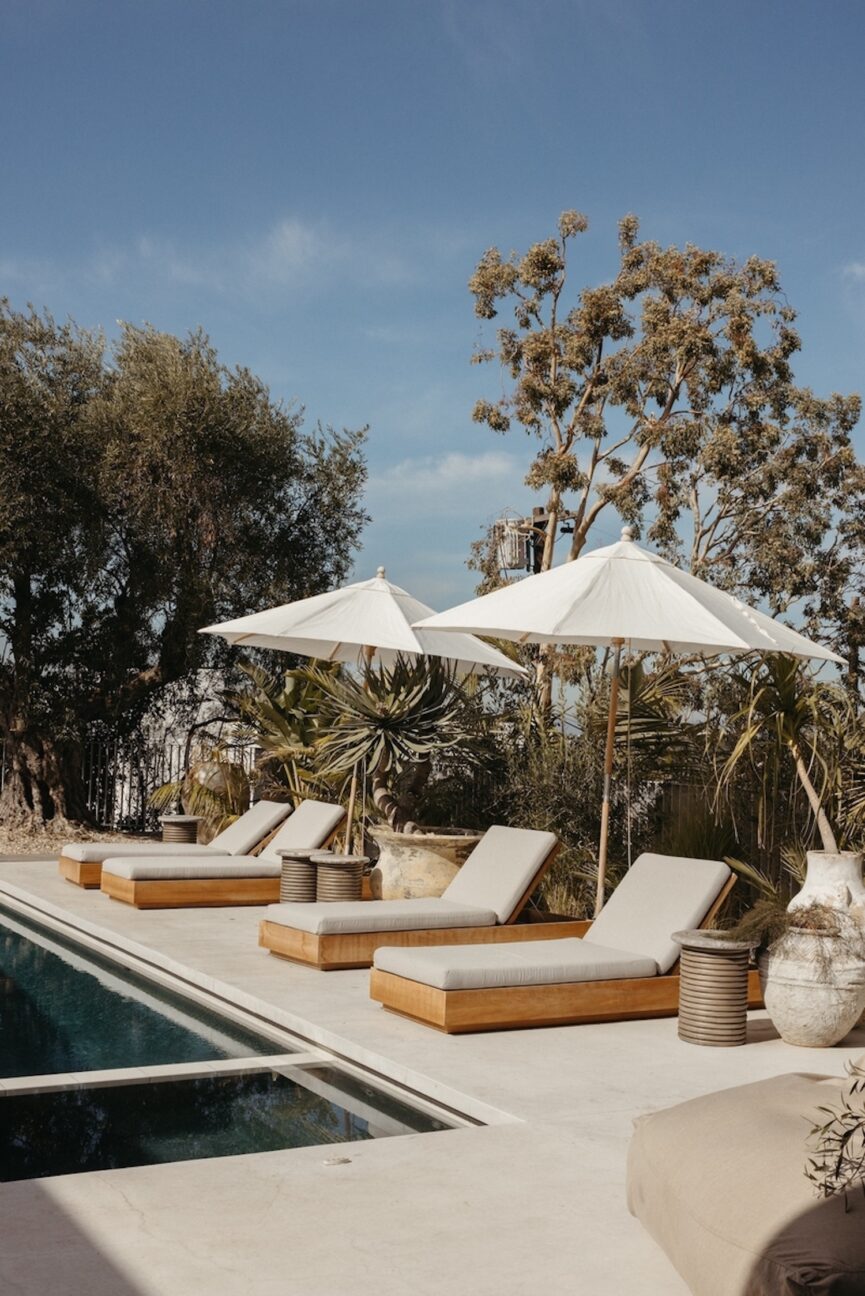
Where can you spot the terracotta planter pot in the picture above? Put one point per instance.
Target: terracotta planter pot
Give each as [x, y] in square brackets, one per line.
[415, 865]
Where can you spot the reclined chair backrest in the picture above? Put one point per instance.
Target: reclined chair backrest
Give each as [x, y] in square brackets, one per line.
[311, 825]
[660, 894]
[252, 827]
[501, 870]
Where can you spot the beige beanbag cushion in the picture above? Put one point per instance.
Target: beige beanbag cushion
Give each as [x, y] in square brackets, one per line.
[719, 1183]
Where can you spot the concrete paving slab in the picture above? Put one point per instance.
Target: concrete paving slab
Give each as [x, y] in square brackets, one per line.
[533, 1201]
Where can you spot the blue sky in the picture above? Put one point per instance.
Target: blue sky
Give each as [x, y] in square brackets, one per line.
[313, 181]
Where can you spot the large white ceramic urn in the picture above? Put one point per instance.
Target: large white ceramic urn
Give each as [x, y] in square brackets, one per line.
[833, 879]
[814, 981]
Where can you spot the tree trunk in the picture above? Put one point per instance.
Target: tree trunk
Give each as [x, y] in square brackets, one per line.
[398, 805]
[384, 800]
[827, 836]
[43, 783]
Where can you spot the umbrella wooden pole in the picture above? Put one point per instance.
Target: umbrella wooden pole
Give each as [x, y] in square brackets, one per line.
[368, 654]
[608, 775]
[349, 814]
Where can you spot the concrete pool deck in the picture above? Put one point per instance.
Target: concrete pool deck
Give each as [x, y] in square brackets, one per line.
[532, 1201]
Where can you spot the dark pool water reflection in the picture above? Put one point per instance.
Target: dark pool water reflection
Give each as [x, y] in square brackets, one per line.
[63, 1008]
[181, 1120]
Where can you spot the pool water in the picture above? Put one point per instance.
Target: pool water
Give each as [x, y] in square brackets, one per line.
[65, 1009]
[105, 1128]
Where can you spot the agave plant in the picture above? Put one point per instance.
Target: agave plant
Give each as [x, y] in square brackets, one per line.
[391, 722]
[282, 715]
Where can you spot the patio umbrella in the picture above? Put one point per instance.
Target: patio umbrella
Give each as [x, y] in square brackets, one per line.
[369, 619]
[616, 595]
[357, 624]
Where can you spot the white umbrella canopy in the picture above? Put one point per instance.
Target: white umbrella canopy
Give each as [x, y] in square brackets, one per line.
[624, 592]
[371, 618]
[616, 595]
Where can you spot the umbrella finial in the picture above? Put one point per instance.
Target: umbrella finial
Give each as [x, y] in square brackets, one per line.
[627, 533]
[380, 573]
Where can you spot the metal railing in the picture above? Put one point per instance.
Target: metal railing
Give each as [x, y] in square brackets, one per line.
[119, 778]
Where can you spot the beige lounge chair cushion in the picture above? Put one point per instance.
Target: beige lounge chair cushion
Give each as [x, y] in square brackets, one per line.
[238, 838]
[325, 919]
[96, 852]
[310, 825]
[719, 1183]
[500, 869]
[660, 894]
[252, 827]
[183, 867]
[523, 963]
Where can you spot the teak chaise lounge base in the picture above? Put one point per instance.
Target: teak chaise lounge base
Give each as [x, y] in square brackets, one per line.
[82, 873]
[516, 1007]
[198, 893]
[558, 1002]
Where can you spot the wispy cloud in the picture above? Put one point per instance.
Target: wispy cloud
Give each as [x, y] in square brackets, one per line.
[427, 510]
[291, 253]
[446, 486]
[855, 270]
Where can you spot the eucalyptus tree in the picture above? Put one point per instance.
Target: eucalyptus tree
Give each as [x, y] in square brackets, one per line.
[667, 396]
[148, 493]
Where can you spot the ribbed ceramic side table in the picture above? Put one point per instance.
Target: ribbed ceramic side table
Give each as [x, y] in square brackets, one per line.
[297, 877]
[713, 989]
[339, 877]
[180, 828]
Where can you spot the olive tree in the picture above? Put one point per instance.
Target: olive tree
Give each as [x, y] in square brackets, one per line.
[147, 492]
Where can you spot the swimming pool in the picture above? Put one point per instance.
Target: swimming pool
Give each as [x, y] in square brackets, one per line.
[107, 1127]
[65, 1009]
[103, 1068]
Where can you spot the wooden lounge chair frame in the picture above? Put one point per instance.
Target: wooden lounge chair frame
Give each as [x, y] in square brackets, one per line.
[87, 874]
[200, 893]
[556, 1004]
[336, 951]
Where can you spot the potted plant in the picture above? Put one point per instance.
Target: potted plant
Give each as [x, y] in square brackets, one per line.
[812, 965]
[790, 714]
[391, 723]
[812, 972]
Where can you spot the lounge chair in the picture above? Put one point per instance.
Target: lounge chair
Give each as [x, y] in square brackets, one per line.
[81, 862]
[719, 1182]
[622, 967]
[482, 903]
[185, 881]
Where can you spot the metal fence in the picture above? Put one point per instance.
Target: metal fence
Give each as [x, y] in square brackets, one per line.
[119, 778]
